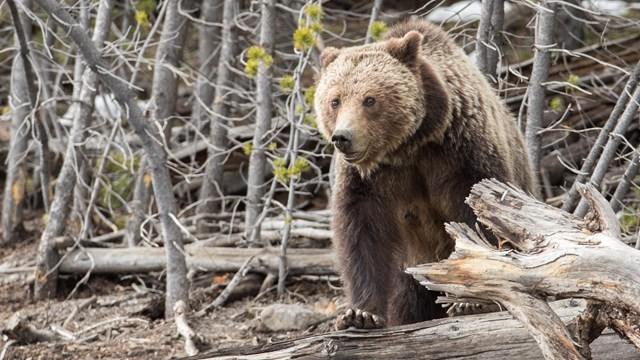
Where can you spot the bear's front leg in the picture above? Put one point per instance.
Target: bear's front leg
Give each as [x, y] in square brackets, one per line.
[366, 245]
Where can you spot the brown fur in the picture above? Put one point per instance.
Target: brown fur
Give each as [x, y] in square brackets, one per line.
[436, 128]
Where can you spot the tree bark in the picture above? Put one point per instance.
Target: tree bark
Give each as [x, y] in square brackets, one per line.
[481, 337]
[140, 260]
[377, 5]
[489, 38]
[20, 107]
[46, 271]
[210, 12]
[537, 88]
[149, 136]
[256, 176]
[217, 152]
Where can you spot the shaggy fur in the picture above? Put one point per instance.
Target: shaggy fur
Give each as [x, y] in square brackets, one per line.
[436, 127]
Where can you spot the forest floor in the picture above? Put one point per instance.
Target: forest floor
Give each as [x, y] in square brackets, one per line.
[124, 318]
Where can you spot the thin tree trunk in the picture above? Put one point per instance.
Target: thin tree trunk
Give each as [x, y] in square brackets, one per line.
[81, 187]
[214, 169]
[377, 5]
[603, 136]
[141, 198]
[609, 152]
[177, 284]
[625, 183]
[46, 268]
[256, 176]
[19, 104]
[489, 38]
[210, 12]
[164, 93]
[537, 87]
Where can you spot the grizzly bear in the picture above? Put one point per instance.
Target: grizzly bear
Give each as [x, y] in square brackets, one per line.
[415, 125]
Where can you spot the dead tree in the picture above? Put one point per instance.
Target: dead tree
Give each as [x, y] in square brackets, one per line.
[208, 31]
[264, 112]
[177, 284]
[603, 136]
[164, 93]
[536, 92]
[217, 151]
[489, 38]
[21, 110]
[377, 5]
[543, 252]
[609, 151]
[46, 272]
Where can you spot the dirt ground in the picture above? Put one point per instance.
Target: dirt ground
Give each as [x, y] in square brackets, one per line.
[124, 315]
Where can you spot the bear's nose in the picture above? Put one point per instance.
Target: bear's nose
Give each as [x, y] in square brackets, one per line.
[341, 139]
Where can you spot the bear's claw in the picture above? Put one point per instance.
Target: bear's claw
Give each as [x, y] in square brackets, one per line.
[359, 319]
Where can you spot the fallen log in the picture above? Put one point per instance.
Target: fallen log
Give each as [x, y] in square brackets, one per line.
[142, 259]
[487, 336]
[543, 252]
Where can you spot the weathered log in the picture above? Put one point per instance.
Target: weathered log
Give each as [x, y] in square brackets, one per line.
[140, 260]
[554, 254]
[487, 336]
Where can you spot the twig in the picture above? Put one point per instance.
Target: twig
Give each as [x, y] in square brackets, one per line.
[6, 347]
[229, 289]
[83, 304]
[109, 322]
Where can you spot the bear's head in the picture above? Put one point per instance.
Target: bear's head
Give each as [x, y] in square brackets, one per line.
[372, 99]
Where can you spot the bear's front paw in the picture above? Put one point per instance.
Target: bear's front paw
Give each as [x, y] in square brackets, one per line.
[359, 319]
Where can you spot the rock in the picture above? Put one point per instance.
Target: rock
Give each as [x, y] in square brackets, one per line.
[283, 317]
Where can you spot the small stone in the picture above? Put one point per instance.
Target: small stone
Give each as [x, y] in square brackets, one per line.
[284, 317]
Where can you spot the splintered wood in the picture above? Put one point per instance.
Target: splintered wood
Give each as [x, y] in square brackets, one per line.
[543, 252]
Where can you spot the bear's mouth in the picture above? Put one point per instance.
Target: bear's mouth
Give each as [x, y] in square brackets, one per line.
[354, 157]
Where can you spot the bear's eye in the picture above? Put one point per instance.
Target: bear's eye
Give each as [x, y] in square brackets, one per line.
[369, 102]
[335, 103]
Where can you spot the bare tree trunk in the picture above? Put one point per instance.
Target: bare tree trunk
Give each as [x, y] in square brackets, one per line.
[489, 38]
[377, 5]
[19, 103]
[46, 268]
[609, 152]
[256, 176]
[80, 191]
[141, 198]
[177, 284]
[627, 179]
[537, 88]
[163, 98]
[570, 25]
[210, 12]
[217, 152]
[603, 136]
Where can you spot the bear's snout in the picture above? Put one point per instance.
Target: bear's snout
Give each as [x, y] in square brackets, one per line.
[342, 140]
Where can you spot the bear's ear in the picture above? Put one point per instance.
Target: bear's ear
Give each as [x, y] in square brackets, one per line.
[406, 49]
[327, 56]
